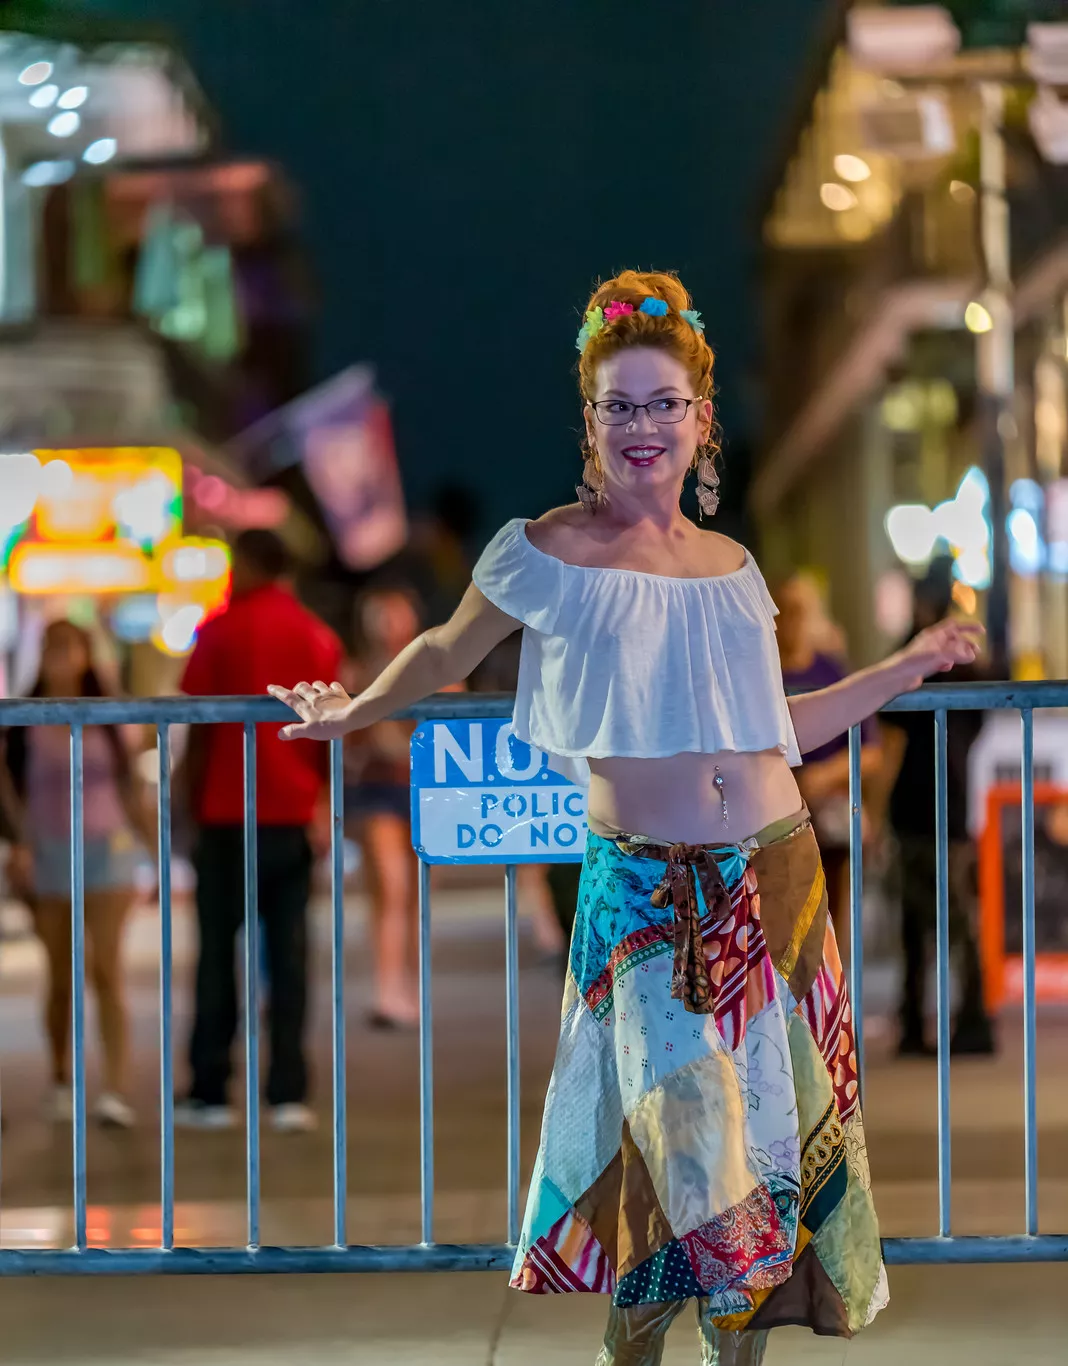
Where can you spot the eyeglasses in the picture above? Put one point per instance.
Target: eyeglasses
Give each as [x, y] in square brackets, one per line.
[617, 412]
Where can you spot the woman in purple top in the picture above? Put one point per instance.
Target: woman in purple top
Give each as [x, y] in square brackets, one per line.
[37, 787]
[824, 776]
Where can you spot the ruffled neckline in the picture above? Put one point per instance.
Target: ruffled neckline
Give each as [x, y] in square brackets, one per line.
[521, 525]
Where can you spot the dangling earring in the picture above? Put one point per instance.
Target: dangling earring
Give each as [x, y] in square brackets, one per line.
[591, 490]
[707, 486]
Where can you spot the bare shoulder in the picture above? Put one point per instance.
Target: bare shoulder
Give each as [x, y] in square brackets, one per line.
[558, 531]
[720, 554]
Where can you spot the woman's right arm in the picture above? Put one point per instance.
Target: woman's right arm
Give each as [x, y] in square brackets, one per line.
[438, 659]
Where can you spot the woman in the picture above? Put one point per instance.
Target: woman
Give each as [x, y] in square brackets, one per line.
[38, 761]
[824, 778]
[701, 1138]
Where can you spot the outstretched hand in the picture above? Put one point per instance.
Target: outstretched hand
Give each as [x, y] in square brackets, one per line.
[939, 648]
[323, 709]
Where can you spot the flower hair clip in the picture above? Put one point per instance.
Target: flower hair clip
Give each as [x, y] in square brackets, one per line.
[597, 318]
[593, 324]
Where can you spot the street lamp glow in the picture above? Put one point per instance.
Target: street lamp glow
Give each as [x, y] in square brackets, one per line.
[178, 632]
[65, 124]
[912, 531]
[35, 73]
[977, 319]
[837, 198]
[47, 173]
[103, 149]
[851, 168]
[74, 98]
[44, 97]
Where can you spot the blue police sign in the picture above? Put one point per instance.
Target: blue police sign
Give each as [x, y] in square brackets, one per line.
[479, 795]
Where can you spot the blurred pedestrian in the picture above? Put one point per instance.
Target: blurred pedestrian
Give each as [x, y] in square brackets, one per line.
[827, 637]
[263, 633]
[801, 630]
[115, 816]
[378, 800]
[547, 891]
[909, 741]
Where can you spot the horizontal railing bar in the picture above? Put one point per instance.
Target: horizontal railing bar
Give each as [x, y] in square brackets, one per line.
[132, 711]
[228, 1261]
[1051, 1247]
[56, 711]
[1050, 692]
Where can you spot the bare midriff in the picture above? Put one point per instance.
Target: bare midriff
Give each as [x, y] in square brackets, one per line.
[676, 799]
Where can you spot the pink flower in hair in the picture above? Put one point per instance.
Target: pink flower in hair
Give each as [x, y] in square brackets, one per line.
[617, 310]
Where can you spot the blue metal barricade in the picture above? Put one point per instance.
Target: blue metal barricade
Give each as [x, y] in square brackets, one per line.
[429, 1255]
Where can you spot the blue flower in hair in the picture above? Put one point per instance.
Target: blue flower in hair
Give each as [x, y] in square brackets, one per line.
[655, 308]
[693, 317]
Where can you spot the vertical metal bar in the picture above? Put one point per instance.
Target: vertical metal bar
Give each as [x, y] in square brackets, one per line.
[856, 903]
[942, 917]
[511, 990]
[1027, 832]
[252, 993]
[337, 888]
[166, 1063]
[426, 1060]
[77, 912]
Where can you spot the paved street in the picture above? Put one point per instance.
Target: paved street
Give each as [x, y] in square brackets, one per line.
[463, 1318]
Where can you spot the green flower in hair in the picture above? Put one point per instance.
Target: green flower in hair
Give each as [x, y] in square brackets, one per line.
[693, 317]
[593, 324]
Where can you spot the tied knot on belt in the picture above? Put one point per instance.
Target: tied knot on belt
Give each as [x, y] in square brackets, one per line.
[688, 865]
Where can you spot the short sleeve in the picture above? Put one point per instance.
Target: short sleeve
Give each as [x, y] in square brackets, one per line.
[763, 593]
[520, 579]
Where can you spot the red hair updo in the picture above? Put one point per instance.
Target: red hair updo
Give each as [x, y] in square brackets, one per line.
[669, 331]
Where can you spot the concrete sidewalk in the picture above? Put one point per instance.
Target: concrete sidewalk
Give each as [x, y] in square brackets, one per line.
[951, 1316]
[982, 1316]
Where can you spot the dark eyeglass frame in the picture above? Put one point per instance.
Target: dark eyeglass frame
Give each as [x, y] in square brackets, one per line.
[636, 408]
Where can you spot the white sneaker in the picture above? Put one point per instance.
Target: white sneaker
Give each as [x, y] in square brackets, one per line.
[112, 1112]
[61, 1104]
[194, 1114]
[293, 1118]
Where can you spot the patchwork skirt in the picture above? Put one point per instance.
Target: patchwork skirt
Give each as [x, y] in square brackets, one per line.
[702, 1134]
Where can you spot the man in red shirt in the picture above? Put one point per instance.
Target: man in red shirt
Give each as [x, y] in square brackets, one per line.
[265, 634]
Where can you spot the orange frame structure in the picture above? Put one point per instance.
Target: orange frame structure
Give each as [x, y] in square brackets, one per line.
[1003, 974]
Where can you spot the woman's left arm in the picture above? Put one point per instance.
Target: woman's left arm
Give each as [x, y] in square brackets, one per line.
[823, 715]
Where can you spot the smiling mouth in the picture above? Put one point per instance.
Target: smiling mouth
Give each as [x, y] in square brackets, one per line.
[642, 455]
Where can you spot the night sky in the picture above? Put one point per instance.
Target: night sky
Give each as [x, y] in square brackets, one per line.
[468, 168]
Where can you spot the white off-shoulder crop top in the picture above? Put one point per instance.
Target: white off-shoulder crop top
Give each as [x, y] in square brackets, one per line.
[617, 663]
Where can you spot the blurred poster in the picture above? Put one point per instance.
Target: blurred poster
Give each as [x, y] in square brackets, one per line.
[340, 433]
[351, 466]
